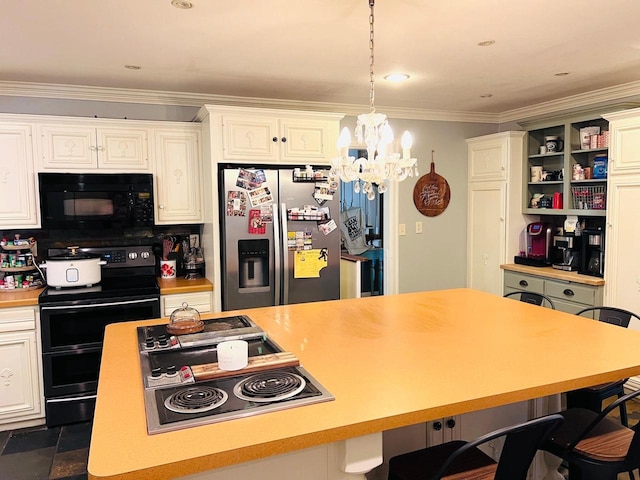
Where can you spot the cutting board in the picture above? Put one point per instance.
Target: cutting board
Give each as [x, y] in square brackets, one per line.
[209, 371]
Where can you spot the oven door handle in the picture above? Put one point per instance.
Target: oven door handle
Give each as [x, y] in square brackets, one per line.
[70, 399]
[100, 305]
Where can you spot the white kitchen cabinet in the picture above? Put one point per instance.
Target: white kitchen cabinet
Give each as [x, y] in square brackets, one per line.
[90, 146]
[20, 370]
[494, 222]
[178, 177]
[622, 256]
[624, 141]
[18, 192]
[201, 301]
[279, 136]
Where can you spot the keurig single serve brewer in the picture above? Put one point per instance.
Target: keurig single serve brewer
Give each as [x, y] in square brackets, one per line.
[592, 256]
[537, 238]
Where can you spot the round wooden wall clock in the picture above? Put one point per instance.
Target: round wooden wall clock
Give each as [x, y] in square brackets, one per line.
[431, 193]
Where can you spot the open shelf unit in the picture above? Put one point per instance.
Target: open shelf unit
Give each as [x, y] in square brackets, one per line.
[579, 197]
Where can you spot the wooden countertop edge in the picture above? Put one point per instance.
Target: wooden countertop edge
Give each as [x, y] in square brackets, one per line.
[180, 285]
[353, 258]
[554, 274]
[311, 439]
[28, 298]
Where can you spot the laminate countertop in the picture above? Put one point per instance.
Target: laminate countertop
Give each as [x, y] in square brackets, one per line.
[23, 298]
[554, 273]
[390, 361]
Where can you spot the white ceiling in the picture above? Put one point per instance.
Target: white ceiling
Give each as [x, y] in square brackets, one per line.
[317, 50]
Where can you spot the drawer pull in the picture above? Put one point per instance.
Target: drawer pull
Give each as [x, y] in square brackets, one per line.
[523, 283]
[451, 423]
[437, 426]
[568, 292]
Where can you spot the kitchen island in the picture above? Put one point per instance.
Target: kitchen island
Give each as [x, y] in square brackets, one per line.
[390, 361]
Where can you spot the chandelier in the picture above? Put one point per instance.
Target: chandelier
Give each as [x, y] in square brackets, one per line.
[372, 129]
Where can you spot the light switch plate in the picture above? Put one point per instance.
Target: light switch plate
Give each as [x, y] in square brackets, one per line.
[402, 229]
[418, 227]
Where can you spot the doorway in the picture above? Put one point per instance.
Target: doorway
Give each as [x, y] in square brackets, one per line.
[372, 219]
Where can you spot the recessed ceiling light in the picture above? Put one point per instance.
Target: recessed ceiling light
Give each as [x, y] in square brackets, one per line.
[561, 74]
[185, 4]
[486, 95]
[397, 77]
[486, 43]
[133, 67]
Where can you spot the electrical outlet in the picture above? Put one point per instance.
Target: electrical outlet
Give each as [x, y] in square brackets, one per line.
[402, 230]
[418, 227]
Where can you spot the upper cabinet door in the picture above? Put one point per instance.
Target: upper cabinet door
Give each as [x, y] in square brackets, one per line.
[625, 144]
[488, 158]
[123, 149]
[83, 148]
[18, 193]
[250, 138]
[177, 176]
[65, 147]
[304, 140]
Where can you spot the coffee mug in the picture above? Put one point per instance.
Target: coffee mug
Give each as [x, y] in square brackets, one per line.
[553, 144]
[536, 174]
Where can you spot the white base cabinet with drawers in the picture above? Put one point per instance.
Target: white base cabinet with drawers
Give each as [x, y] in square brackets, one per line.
[567, 296]
[20, 369]
[201, 301]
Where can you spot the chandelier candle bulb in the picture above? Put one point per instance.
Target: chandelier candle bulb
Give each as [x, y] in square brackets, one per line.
[344, 141]
[406, 141]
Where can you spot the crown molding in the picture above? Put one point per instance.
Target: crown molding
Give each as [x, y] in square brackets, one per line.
[159, 97]
[573, 103]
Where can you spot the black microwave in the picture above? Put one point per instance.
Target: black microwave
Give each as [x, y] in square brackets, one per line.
[96, 200]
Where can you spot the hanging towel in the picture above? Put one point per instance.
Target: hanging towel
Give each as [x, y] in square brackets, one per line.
[353, 235]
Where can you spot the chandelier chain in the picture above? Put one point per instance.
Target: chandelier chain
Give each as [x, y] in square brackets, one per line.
[372, 92]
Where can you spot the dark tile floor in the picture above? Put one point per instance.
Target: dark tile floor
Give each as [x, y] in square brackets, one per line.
[41, 453]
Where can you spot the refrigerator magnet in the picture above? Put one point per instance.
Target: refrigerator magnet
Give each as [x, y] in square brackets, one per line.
[256, 225]
[327, 227]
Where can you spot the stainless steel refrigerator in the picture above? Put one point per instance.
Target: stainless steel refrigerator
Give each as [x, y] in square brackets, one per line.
[280, 236]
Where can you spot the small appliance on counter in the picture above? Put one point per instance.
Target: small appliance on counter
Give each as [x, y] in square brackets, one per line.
[537, 246]
[592, 253]
[566, 252]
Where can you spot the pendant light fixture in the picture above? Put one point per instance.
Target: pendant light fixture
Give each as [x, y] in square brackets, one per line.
[372, 130]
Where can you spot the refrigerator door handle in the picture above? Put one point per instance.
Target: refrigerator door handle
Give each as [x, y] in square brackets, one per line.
[285, 256]
[278, 250]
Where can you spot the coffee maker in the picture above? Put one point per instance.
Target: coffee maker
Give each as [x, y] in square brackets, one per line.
[566, 252]
[592, 255]
[537, 245]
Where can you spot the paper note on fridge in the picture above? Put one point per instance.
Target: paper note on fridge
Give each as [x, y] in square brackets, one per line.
[308, 263]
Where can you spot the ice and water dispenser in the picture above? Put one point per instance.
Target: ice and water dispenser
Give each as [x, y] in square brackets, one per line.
[253, 260]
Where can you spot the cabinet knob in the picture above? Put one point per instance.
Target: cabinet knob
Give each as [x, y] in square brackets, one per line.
[161, 207]
[568, 292]
[451, 423]
[274, 139]
[283, 139]
[523, 283]
[437, 426]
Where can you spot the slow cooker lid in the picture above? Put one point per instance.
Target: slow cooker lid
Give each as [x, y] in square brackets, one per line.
[74, 253]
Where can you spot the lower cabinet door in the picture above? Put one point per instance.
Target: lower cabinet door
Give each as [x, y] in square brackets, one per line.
[19, 380]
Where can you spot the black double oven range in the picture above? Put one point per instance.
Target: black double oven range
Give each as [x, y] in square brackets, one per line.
[73, 320]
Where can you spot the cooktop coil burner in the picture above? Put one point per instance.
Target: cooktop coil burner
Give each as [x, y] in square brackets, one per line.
[201, 398]
[269, 386]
